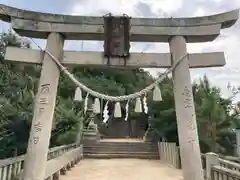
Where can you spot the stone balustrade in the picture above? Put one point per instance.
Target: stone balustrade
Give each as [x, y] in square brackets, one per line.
[229, 165]
[218, 168]
[60, 159]
[169, 153]
[63, 163]
[218, 172]
[214, 168]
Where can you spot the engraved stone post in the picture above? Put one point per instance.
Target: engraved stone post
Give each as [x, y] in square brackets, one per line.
[36, 157]
[185, 111]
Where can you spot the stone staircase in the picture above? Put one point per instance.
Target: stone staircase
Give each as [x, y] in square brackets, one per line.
[93, 147]
[140, 150]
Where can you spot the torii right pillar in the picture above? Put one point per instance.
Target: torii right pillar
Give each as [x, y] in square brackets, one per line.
[184, 103]
[185, 111]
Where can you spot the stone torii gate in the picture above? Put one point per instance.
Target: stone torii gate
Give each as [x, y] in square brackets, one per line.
[56, 28]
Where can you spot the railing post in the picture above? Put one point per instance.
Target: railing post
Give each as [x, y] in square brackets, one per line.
[238, 142]
[4, 171]
[79, 134]
[81, 150]
[164, 151]
[49, 178]
[179, 166]
[63, 171]
[55, 176]
[211, 160]
[1, 170]
[10, 171]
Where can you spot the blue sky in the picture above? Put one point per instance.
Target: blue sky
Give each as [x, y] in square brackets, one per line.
[229, 41]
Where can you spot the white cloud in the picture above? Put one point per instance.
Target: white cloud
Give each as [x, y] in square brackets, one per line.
[158, 7]
[92, 7]
[200, 12]
[163, 7]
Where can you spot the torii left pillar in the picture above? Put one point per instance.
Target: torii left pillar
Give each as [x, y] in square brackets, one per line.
[36, 157]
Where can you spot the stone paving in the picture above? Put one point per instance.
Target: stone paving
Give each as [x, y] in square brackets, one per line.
[122, 169]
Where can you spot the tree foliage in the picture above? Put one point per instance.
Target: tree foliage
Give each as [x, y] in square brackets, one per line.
[216, 117]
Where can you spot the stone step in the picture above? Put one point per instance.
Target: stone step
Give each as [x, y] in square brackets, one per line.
[92, 144]
[90, 134]
[124, 144]
[140, 150]
[94, 130]
[110, 156]
[121, 149]
[117, 145]
[120, 146]
[123, 152]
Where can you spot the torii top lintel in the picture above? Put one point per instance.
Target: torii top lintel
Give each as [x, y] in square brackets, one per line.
[39, 25]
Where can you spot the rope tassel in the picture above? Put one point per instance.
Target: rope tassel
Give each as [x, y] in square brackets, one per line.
[96, 106]
[138, 106]
[86, 103]
[145, 106]
[117, 110]
[78, 94]
[105, 113]
[157, 96]
[126, 108]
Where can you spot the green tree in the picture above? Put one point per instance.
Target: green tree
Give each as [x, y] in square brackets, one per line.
[215, 120]
[162, 114]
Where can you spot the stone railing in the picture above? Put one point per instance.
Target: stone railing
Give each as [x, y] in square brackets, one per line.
[214, 168]
[218, 168]
[169, 153]
[203, 157]
[58, 166]
[64, 157]
[229, 165]
[219, 173]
